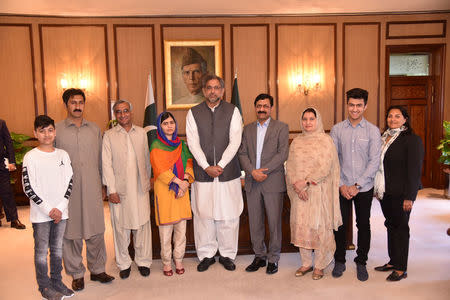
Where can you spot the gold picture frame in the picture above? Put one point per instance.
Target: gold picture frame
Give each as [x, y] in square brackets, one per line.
[185, 62]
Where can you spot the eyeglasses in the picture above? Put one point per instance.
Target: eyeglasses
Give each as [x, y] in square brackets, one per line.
[125, 111]
[216, 88]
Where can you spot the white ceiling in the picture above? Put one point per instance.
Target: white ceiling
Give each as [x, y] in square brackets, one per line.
[211, 7]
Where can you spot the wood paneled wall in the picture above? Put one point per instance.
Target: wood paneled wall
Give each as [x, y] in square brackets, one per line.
[17, 82]
[361, 64]
[135, 58]
[306, 49]
[117, 54]
[250, 61]
[77, 52]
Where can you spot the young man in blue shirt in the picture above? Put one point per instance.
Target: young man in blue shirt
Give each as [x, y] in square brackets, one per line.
[358, 144]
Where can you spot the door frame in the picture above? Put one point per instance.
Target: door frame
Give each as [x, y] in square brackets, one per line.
[437, 73]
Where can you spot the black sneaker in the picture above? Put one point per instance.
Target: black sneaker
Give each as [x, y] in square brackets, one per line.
[63, 289]
[361, 272]
[51, 294]
[338, 269]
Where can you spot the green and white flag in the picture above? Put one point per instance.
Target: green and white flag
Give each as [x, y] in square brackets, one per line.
[150, 112]
[235, 96]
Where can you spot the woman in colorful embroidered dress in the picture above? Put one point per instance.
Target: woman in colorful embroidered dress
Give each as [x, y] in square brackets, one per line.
[172, 168]
[396, 185]
[312, 179]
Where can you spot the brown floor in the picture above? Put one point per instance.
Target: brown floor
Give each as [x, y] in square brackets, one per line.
[429, 268]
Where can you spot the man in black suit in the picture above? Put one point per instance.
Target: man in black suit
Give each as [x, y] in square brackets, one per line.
[7, 164]
[263, 151]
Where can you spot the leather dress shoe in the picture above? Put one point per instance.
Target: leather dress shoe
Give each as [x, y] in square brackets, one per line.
[205, 263]
[124, 274]
[384, 268]
[227, 263]
[272, 268]
[257, 263]
[145, 271]
[17, 224]
[394, 276]
[78, 284]
[102, 277]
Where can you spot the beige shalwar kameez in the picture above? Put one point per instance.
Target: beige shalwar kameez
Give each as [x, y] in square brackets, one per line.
[126, 171]
[313, 157]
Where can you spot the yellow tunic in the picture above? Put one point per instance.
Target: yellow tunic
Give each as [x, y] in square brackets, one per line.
[168, 208]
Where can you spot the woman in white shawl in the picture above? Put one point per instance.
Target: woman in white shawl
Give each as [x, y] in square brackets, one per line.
[396, 185]
[313, 187]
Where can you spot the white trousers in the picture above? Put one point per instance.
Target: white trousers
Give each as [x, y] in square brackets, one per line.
[322, 258]
[212, 235]
[142, 239]
[179, 242]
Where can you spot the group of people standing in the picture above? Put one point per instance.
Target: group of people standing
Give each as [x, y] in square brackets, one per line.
[324, 175]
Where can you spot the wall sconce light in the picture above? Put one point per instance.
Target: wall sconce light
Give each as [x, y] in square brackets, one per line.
[308, 82]
[64, 83]
[81, 82]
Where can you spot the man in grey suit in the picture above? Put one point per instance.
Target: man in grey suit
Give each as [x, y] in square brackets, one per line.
[263, 151]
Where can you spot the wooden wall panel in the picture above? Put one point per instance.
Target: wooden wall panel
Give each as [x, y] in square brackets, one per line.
[134, 46]
[181, 32]
[306, 49]
[361, 64]
[76, 52]
[250, 59]
[416, 29]
[17, 78]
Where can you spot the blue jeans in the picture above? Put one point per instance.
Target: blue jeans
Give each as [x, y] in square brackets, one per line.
[48, 235]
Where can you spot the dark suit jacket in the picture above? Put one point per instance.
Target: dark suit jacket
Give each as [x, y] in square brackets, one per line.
[274, 153]
[403, 166]
[6, 146]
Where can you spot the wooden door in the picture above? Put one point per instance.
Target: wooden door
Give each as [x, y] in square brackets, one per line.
[424, 98]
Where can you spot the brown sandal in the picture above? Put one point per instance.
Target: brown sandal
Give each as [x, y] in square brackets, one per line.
[316, 276]
[179, 271]
[300, 273]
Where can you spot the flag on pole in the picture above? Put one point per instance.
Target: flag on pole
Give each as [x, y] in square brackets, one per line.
[150, 112]
[235, 96]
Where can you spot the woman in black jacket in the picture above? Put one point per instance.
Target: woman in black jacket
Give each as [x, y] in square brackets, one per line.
[396, 185]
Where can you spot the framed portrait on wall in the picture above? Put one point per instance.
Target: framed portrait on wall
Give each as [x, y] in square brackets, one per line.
[185, 63]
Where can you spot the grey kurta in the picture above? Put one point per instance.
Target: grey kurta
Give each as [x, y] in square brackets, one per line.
[84, 145]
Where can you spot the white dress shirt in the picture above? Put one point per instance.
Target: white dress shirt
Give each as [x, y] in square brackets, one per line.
[260, 135]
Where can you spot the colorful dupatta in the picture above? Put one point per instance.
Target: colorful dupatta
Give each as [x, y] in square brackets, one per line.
[172, 154]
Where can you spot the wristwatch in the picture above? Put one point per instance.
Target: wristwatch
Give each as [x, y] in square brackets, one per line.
[358, 186]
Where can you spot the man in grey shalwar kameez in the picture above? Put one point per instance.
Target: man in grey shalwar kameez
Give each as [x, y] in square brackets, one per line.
[83, 141]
